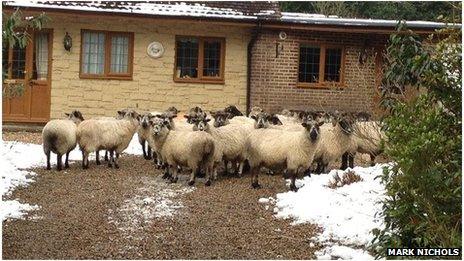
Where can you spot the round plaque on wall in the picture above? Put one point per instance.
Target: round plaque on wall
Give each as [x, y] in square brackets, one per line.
[155, 50]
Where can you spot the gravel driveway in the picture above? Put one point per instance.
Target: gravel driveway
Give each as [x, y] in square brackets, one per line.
[132, 213]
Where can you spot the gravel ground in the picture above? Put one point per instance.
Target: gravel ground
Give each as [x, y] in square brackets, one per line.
[103, 213]
[23, 136]
[82, 211]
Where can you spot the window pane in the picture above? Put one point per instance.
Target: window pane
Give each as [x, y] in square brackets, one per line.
[333, 61]
[18, 63]
[187, 58]
[119, 54]
[93, 53]
[211, 58]
[5, 60]
[40, 68]
[309, 64]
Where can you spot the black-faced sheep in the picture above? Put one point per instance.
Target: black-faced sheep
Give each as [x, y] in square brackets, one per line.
[110, 135]
[59, 137]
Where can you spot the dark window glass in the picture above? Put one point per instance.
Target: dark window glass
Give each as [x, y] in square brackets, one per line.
[18, 63]
[187, 58]
[309, 64]
[5, 61]
[211, 59]
[333, 61]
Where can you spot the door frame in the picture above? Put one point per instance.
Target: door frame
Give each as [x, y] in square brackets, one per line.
[28, 81]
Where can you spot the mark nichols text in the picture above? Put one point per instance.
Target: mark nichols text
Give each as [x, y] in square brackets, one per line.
[423, 251]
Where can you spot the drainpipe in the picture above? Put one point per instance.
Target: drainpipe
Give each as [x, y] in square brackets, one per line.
[254, 37]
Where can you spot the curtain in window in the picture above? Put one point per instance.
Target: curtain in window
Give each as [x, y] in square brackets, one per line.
[93, 54]
[41, 55]
[119, 54]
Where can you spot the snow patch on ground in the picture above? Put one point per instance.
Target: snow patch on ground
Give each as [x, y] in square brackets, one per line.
[155, 199]
[346, 214]
[17, 157]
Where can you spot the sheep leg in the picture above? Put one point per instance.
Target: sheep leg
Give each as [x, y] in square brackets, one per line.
[166, 171]
[58, 162]
[192, 177]
[85, 160]
[48, 160]
[372, 160]
[226, 170]
[209, 173]
[143, 150]
[293, 175]
[106, 155]
[66, 163]
[345, 157]
[115, 159]
[254, 178]
[175, 172]
[97, 157]
[111, 159]
[149, 152]
[351, 161]
[240, 169]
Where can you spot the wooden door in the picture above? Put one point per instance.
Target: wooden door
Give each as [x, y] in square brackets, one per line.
[26, 96]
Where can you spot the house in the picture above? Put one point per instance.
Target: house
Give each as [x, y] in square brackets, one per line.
[151, 55]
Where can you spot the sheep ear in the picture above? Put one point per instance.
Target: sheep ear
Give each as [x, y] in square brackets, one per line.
[67, 114]
[304, 124]
[187, 116]
[253, 117]
[207, 120]
[121, 113]
[213, 113]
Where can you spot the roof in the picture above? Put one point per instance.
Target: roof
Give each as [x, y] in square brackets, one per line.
[235, 11]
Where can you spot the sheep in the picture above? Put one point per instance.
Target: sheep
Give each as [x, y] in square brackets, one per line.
[193, 113]
[143, 134]
[336, 139]
[194, 149]
[59, 137]
[230, 141]
[97, 153]
[368, 136]
[255, 110]
[279, 149]
[110, 135]
[233, 111]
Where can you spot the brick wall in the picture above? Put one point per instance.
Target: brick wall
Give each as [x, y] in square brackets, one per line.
[152, 87]
[274, 79]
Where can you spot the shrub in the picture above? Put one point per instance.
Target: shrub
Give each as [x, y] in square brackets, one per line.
[423, 203]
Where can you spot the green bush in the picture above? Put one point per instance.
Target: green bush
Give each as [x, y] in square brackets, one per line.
[423, 207]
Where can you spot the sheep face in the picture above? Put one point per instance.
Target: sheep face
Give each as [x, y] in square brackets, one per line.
[233, 111]
[312, 127]
[254, 111]
[75, 116]
[160, 126]
[129, 114]
[221, 118]
[145, 120]
[261, 120]
[193, 113]
[275, 120]
[173, 110]
[201, 124]
[345, 120]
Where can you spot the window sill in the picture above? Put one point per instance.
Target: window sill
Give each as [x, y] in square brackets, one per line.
[209, 81]
[112, 77]
[325, 86]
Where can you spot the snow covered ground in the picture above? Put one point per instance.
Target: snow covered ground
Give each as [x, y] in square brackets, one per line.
[17, 157]
[346, 214]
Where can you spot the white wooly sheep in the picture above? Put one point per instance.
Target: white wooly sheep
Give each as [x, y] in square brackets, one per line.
[97, 156]
[368, 136]
[144, 133]
[292, 151]
[230, 141]
[59, 137]
[335, 140]
[111, 135]
[193, 149]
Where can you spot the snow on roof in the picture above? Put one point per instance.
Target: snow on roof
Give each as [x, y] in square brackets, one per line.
[320, 19]
[218, 10]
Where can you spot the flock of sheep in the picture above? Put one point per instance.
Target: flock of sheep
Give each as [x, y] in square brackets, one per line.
[294, 142]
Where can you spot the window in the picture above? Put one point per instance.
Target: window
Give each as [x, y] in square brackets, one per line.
[107, 55]
[320, 65]
[199, 59]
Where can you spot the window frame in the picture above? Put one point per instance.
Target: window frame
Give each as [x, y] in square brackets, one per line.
[107, 74]
[201, 78]
[322, 84]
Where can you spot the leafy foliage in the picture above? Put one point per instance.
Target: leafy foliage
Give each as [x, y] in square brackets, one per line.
[16, 32]
[396, 10]
[423, 204]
